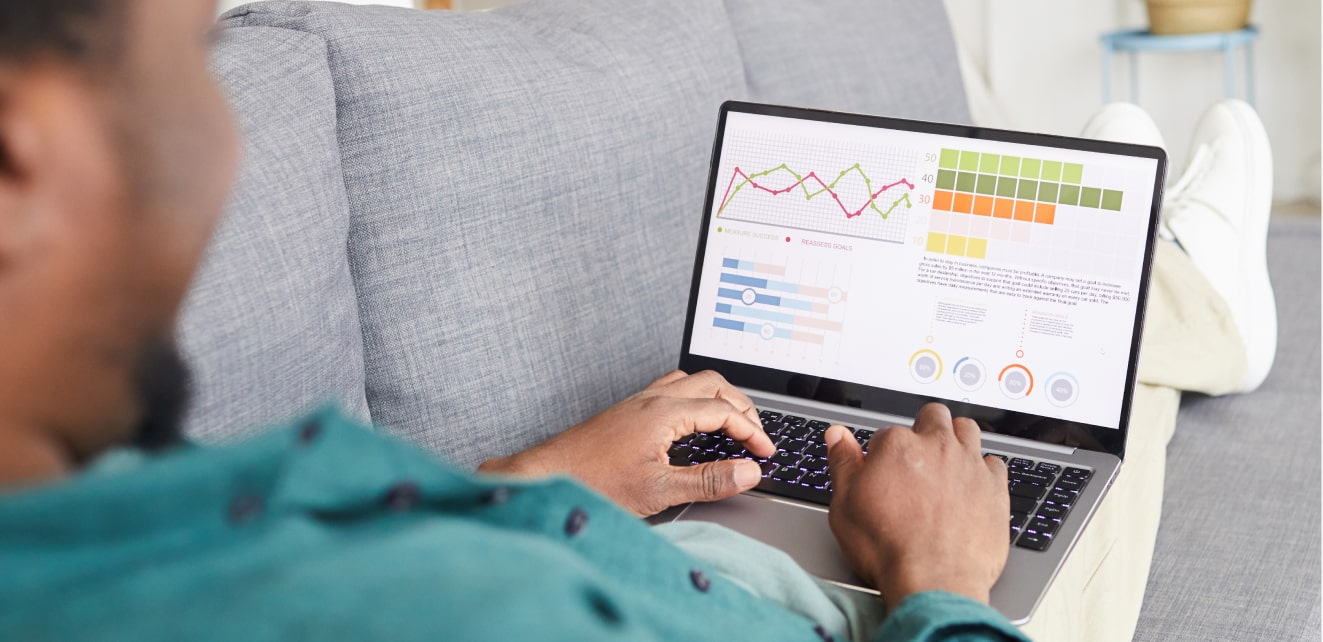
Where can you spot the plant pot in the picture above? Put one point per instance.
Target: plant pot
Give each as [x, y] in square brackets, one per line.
[1170, 17]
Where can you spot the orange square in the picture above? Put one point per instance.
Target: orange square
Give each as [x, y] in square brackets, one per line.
[1024, 211]
[942, 201]
[963, 202]
[983, 205]
[1003, 208]
[1045, 213]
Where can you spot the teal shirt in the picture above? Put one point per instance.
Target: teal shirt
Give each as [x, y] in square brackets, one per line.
[327, 531]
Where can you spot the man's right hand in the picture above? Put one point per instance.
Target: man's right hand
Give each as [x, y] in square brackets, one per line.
[922, 511]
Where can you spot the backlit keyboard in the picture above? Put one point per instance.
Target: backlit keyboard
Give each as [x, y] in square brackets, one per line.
[1042, 493]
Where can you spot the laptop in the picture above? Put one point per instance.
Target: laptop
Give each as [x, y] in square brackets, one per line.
[852, 268]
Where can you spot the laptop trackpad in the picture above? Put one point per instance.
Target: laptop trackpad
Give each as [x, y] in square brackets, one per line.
[800, 531]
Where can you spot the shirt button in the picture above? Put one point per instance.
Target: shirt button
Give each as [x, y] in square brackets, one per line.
[497, 496]
[309, 432]
[700, 580]
[401, 496]
[822, 633]
[575, 523]
[244, 509]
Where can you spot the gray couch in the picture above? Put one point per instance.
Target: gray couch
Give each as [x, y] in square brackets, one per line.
[475, 230]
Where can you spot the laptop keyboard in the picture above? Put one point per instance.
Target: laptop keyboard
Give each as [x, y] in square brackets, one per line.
[1042, 493]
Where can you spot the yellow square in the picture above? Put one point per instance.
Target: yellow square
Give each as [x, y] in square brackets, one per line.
[955, 245]
[936, 242]
[976, 248]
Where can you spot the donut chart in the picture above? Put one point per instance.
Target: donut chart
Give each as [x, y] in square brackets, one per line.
[1016, 381]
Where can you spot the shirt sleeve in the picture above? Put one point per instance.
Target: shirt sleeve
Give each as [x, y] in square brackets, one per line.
[938, 616]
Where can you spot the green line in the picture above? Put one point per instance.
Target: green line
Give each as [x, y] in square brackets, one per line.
[808, 196]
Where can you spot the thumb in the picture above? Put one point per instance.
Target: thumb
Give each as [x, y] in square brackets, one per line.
[712, 481]
[843, 456]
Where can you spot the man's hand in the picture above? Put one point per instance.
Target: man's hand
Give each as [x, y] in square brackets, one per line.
[922, 511]
[622, 451]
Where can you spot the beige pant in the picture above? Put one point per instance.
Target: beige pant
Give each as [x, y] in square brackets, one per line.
[1189, 344]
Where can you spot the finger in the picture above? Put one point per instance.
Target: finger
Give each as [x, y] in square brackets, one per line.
[844, 457]
[668, 378]
[934, 419]
[710, 415]
[968, 434]
[711, 481]
[997, 467]
[710, 384]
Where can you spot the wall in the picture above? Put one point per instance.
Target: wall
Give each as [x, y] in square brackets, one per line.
[1040, 62]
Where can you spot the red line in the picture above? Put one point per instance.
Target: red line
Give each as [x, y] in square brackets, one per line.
[814, 176]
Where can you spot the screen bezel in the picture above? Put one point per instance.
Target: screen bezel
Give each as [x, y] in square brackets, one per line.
[1025, 425]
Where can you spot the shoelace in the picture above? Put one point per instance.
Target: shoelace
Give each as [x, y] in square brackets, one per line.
[1178, 202]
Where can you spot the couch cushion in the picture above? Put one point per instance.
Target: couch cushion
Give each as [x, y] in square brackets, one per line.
[887, 57]
[270, 326]
[526, 187]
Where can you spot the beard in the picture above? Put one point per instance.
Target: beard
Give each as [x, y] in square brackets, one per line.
[163, 389]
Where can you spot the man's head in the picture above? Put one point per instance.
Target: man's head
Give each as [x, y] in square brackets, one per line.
[116, 152]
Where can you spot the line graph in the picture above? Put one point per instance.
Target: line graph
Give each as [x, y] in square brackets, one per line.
[832, 186]
[827, 188]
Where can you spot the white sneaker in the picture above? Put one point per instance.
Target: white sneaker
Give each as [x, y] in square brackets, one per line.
[1218, 213]
[1123, 123]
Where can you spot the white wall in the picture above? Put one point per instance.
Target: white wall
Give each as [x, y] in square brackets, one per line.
[1041, 62]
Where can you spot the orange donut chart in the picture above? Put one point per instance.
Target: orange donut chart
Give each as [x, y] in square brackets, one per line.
[1026, 371]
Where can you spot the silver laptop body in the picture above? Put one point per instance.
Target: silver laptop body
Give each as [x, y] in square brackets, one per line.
[852, 268]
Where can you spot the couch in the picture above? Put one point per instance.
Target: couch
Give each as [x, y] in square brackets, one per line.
[475, 230]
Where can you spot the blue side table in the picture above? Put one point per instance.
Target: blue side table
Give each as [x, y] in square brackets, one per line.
[1136, 41]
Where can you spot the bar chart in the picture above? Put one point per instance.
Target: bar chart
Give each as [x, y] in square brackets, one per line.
[759, 300]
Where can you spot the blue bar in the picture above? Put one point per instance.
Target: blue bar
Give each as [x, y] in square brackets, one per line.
[765, 315]
[780, 286]
[766, 298]
[729, 324]
[796, 304]
[727, 293]
[723, 308]
[730, 263]
[743, 280]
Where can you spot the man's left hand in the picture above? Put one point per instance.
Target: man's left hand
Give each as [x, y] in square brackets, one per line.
[622, 452]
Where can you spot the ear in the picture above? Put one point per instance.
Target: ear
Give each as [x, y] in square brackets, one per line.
[53, 153]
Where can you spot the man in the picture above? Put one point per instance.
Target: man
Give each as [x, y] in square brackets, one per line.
[115, 156]
[110, 183]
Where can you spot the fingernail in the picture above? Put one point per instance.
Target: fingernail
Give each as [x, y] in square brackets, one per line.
[833, 435]
[747, 474]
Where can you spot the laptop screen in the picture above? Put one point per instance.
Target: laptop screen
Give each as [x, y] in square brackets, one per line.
[894, 265]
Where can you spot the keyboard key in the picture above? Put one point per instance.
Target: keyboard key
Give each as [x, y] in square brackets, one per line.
[784, 458]
[1034, 541]
[732, 449]
[703, 456]
[1067, 483]
[1078, 473]
[793, 445]
[794, 420]
[1063, 499]
[1032, 491]
[1030, 477]
[1043, 526]
[768, 468]
[813, 464]
[1052, 511]
[706, 441]
[788, 474]
[816, 449]
[689, 438]
[815, 480]
[1022, 463]
[1018, 519]
[797, 432]
[768, 415]
[1022, 504]
[1004, 459]
[1048, 469]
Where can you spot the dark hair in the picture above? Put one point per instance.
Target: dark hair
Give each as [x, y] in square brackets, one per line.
[79, 31]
